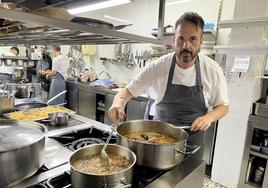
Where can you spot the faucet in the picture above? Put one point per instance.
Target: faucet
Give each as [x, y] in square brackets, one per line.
[107, 74]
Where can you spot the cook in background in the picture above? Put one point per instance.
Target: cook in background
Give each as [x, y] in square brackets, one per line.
[43, 65]
[58, 75]
[6, 71]
[186, 84]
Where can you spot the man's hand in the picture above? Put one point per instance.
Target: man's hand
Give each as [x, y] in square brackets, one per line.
[202, 123]
[117, 114]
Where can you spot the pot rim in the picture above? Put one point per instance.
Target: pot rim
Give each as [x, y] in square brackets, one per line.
[150, 144]
[42, 128]
[93, 145]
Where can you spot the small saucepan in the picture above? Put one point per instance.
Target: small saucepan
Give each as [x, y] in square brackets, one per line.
[57, 118]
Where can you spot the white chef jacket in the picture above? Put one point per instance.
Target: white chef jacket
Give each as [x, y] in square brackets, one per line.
[61, 64]
[156, 75]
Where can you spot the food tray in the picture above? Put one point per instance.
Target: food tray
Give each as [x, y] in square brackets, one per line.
[37, 114]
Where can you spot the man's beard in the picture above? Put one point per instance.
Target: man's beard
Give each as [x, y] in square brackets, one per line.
[186, 56]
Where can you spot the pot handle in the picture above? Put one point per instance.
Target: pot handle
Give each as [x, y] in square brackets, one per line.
[46, 120]
[193, 149]
[123, 184]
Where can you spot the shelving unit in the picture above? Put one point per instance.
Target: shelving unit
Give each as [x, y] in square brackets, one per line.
[48, 30]
[208, 43]
[258, 154]
[254, 122]
[241, 49]
[245, 22]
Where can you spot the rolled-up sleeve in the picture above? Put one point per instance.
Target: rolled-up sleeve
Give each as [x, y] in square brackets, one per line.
[219, 93]
[142, 81]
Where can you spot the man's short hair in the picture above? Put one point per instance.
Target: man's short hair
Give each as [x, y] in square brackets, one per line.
[15, 48]
[44, 46]
[56, 47]
[192, 17]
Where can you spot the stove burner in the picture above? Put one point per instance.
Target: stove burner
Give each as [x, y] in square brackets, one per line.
[80, 143]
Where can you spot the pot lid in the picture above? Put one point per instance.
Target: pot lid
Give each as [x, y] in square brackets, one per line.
[19, 134]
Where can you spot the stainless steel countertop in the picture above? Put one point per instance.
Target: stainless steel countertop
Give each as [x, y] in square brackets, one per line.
[102, 90]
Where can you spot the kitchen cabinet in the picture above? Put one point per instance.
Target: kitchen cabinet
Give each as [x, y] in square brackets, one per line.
[87, 103]
[253, 157]
[72, 97]
[94, 103]
[108, 102]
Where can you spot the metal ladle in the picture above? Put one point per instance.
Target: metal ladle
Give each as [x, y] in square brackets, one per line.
[103, 155]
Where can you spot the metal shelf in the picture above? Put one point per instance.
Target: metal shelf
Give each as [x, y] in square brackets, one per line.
[258, 154]
[244, 22]
[241, 49]
[252, 185]
[209, 34]
[54, 31]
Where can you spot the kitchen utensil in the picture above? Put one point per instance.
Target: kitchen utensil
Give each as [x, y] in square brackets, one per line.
[25, 106]
[258, 175]
[6, 103]
[174, 153]
[83, 180]
[98, 23]
[103, 154]
[21, 150]
[57, 118]
[55, 97]
[54, 12]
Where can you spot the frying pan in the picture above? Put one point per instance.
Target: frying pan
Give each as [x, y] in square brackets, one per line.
[29, 105]
[98, 23]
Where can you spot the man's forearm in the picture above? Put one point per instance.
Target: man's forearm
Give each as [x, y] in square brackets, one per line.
[218, 112]
[121, 98]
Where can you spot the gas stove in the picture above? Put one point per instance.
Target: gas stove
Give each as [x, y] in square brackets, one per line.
[61, 143]
[74, 140]
[142, 178]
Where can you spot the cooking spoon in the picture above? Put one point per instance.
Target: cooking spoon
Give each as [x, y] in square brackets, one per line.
[103, 154]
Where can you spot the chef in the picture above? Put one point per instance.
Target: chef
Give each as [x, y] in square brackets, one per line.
[6, 71]
[186, 83]
[58, 75]
[44, 64]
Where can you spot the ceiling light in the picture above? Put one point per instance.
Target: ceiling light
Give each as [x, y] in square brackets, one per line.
[97, 6]
[176, 2]
[118, 19]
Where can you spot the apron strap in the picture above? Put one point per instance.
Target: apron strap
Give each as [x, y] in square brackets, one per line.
[171, 70]
[199, 85]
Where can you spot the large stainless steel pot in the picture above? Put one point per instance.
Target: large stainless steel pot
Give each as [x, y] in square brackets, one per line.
[22, 91]
[21, 150]
[6, 103]
[158, 156]
[83, 180]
